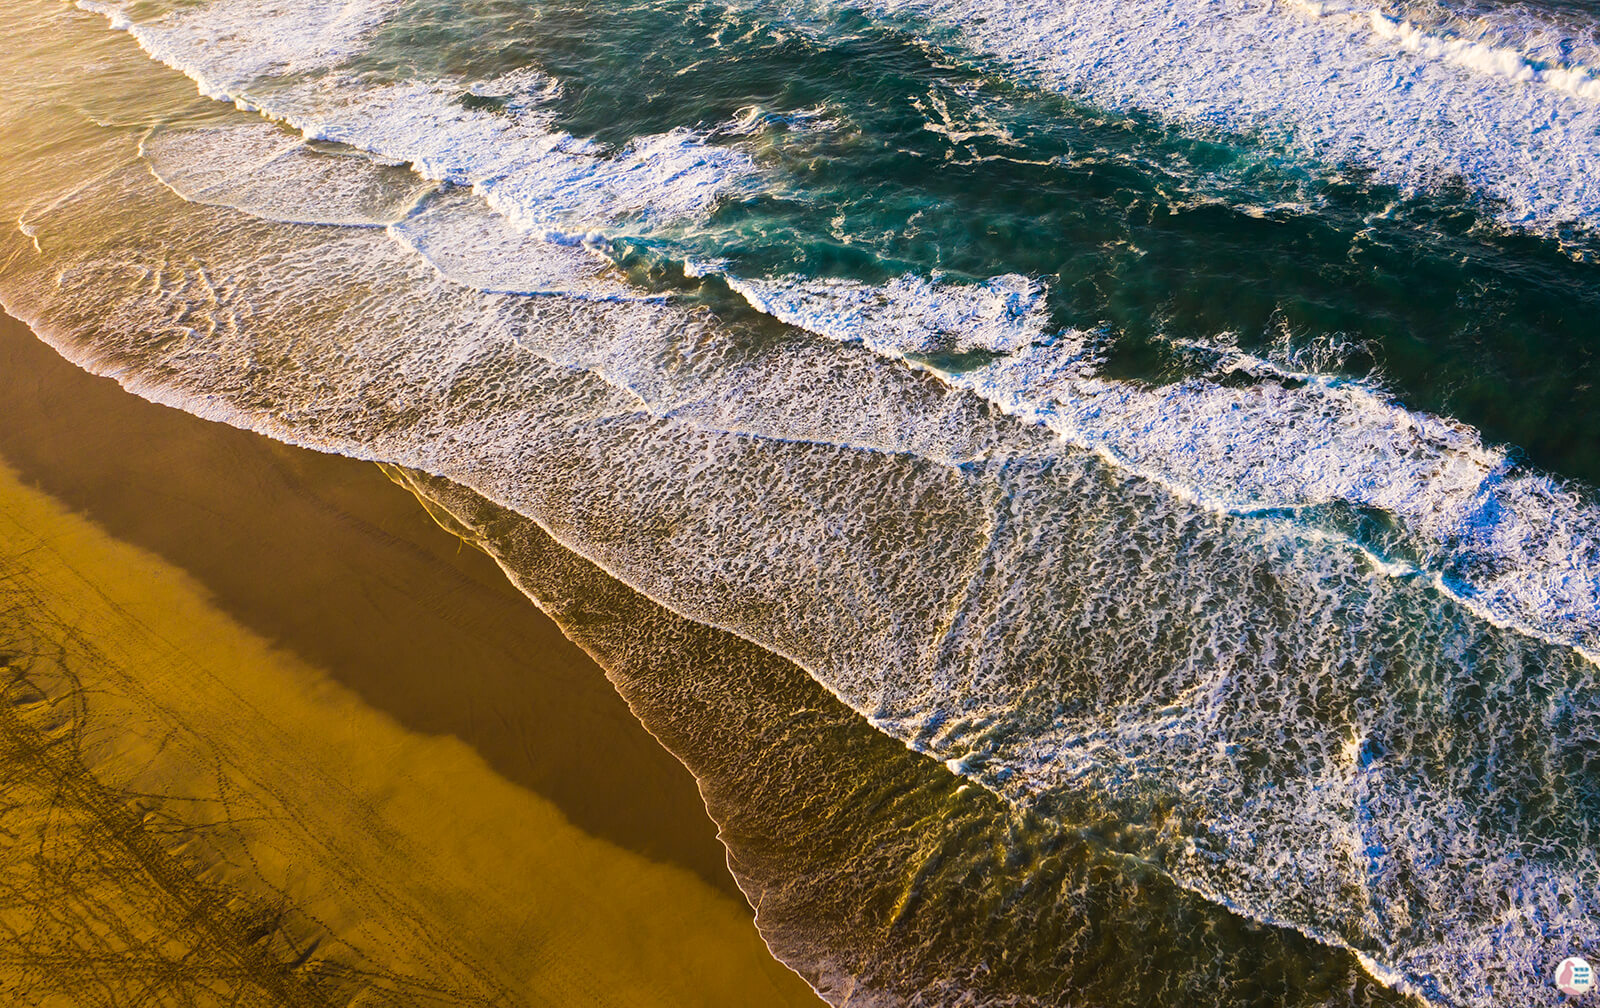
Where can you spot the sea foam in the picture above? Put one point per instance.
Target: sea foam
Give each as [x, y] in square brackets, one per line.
[541, 179]
[1340, 84]
[1517, 547]
[269, 172]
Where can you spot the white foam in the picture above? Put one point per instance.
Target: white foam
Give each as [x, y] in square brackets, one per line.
[1345, 87]
[1545, 36]
[755, 119]
[1517, 548]
[470, 244]
[262, 170]
[225, 47]
[539, 179]
[1502, 61]
[543, 180]
[909, 315]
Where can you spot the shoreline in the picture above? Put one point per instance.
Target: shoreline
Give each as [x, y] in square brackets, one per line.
[357, 607]
[267, 526]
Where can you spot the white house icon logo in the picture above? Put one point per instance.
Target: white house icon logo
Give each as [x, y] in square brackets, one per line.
[1574, 976]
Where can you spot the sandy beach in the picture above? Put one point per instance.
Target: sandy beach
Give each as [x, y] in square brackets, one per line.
[319, 751]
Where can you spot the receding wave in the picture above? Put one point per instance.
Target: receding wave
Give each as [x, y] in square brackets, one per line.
[900, 880]
[266, 171]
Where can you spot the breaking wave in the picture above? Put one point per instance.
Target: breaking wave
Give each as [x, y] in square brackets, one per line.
[1341, 83]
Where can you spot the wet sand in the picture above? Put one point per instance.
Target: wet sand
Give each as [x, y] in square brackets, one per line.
[276, 673]
[324, 556]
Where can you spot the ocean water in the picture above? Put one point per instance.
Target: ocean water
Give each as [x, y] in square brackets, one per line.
[1152, 443]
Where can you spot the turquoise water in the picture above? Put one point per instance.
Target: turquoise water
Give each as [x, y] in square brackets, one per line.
[1186, 473]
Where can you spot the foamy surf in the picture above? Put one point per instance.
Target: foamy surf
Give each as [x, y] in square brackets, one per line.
[967, 699]
[265, 171]
[1516, 547]
[1447, 35]
[1502, 61]
[468, 243]
[226, 47]
[1351, 86]
[538, 178]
